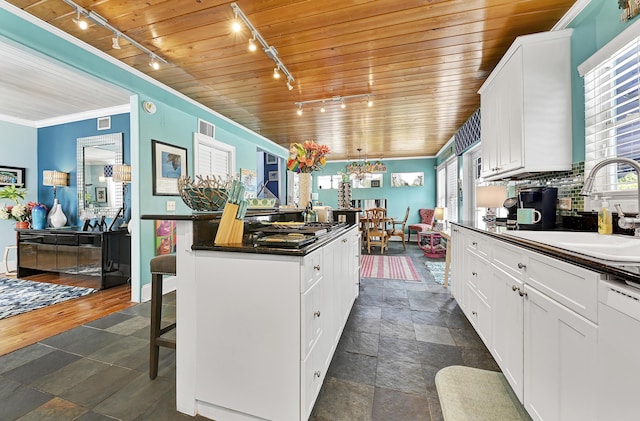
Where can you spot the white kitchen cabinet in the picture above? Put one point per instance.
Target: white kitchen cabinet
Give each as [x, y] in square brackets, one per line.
[258, 330]
[559, 361]
[525, 105]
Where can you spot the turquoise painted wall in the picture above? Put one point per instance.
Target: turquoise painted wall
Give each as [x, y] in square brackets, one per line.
[593, 28]
[398, 198]
[19, 149]
[174, 122]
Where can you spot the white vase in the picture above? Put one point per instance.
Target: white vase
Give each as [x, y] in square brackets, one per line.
[56, 217]
[306, 182]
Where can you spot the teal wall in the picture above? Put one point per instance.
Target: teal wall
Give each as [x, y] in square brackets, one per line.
[593, 28]
[19, 146]
[174, 122]
[398, 198]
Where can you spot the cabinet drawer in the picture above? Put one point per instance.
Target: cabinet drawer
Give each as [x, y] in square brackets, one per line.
[511, 259]
[311, 269]
[311, 318]
[28, 255]
[478, 244]
[67, 239]
[312, 377]
[570, 285]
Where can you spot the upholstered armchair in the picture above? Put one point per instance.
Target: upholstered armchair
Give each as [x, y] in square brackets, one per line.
[426, 222]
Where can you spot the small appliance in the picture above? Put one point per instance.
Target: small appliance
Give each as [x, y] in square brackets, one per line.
[542, 199]
[511, 205]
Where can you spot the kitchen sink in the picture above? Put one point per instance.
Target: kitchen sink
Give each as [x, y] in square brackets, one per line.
[615, 248]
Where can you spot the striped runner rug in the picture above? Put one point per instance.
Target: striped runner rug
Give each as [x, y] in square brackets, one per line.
[388, 267]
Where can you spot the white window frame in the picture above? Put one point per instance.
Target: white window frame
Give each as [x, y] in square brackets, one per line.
[612, 83]
[447, 188]
[204, 144]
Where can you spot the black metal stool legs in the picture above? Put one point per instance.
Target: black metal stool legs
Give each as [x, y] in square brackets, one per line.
[155, 340]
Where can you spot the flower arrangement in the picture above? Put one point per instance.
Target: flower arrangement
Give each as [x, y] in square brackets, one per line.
[19, 212]
[307, 157]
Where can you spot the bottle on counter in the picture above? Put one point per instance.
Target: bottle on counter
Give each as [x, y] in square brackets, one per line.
[605, 219]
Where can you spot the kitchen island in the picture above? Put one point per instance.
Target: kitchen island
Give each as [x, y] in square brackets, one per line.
[258, 326]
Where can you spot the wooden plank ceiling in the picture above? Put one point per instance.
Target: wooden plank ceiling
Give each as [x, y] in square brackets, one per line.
[422, 61]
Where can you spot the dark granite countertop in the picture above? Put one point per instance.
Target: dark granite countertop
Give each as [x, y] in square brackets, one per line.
[618, 270]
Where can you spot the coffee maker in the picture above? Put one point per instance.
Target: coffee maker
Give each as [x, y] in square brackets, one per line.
[542, 199]
[511, 204]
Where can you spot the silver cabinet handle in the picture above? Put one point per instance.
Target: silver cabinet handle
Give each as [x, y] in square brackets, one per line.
[317, 267]
[474, 273]
[514, 288]
[344, 240]
[474, 244]
[455, 230]
[522, 266]
[317, 313]
[475, 313]
[317, 374]
[523, 293]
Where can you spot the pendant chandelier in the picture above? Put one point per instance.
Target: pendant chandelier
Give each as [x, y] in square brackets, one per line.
[362, 169]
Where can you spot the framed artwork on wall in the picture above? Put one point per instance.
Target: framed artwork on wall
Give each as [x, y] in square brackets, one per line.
[12, 176]
[168, 163]
[271, 159]
[250, 180]
[101, 194]
[407, 179]
[273, 175]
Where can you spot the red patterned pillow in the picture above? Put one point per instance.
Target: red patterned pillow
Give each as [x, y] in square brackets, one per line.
[426, 216]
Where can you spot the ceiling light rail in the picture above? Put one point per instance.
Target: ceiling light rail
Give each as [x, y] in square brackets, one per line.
[338, 99]
[82, 14]
[269, 50]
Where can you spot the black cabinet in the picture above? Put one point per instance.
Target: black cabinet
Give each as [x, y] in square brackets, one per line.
[103, 255]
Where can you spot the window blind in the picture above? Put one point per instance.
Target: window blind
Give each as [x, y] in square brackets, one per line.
[612, 117]
[452, 189]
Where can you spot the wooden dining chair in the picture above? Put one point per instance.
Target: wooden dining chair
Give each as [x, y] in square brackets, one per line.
[376, 229]
[399, 232]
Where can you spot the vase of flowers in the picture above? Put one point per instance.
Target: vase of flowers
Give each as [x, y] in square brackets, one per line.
[305, 158]
[19, 211]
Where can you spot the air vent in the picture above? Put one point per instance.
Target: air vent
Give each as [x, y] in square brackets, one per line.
[104, 123]
[206, 128]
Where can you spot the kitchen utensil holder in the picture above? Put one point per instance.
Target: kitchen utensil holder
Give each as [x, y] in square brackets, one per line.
[230, 229]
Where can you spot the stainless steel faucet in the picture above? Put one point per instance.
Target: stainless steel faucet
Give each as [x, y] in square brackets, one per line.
[624, 222]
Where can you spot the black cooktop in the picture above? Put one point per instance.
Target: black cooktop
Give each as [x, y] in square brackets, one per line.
[309, 228]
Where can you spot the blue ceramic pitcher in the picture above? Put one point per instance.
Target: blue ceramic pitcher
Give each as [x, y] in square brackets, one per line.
[39, 217]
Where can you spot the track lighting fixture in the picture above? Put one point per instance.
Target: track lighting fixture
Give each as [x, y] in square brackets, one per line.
[300, 110]
[153, 62]
[82, 24]
[83, 16]
[269, 50]
[252, 44]
[342, 100]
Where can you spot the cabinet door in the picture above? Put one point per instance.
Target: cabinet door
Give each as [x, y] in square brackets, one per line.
[489, 106]
[510, 147]
[507, 333]
[28, 255]
[559, 361]
[458, 242]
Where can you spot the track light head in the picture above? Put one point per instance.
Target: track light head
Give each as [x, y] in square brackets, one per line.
[276, 73]
[343, 105]
[154, 63]
[369, 102]
[82, 24]
[252, 44]
[115, 42]
[289, 85]
[300, 110]
[322, 110]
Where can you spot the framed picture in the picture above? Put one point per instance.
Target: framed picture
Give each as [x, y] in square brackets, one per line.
[407, 179]
[250, 180]
[273, 176]
[375, 183]
[271, 159]
[12, 176]
[168, 163]
[101, 195]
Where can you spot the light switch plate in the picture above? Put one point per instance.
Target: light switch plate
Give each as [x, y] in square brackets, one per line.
[171, 205]
[564, 203]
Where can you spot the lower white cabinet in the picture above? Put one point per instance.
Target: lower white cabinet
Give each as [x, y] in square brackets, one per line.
[559, 360]
[258, 331]
[536, 316]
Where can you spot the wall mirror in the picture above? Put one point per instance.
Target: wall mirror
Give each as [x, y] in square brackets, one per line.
[98, 194]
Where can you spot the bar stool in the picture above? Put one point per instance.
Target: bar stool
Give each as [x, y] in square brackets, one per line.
[160, 266]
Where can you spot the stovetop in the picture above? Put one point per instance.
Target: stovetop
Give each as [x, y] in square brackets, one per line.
[317, 229]
[294, 236]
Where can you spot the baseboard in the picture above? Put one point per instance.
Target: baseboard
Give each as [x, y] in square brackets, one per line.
[169, 284]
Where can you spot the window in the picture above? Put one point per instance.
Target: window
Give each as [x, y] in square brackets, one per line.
[447, 188]
[213, 157]
[329, 181]
[612, 118]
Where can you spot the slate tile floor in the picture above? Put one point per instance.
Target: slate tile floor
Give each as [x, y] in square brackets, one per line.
[398, 336]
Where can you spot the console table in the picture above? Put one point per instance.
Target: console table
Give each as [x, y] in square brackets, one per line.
[103, 255]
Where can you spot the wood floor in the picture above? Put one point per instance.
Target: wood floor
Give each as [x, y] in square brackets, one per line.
[28, 328]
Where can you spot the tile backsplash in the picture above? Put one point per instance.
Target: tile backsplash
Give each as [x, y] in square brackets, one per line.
[569, 184]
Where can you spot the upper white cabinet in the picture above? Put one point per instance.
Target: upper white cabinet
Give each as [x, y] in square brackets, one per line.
[525, 107]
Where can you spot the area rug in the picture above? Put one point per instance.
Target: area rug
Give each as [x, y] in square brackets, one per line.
[468, 393]
[437, 270]
[388, 267]
[19, 296]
